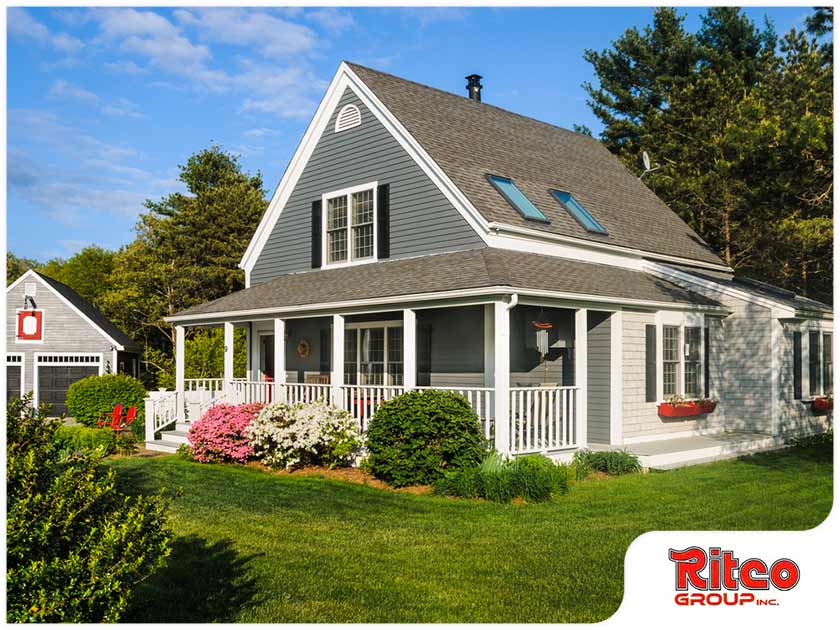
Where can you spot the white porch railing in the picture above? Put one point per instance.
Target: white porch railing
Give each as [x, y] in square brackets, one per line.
[543, 419]
[362, 400]
[161, 411]
[204, 384]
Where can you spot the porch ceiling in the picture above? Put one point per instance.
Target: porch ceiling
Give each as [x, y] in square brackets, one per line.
[488, 268]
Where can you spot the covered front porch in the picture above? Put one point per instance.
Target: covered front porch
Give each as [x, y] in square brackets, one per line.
[537, 372]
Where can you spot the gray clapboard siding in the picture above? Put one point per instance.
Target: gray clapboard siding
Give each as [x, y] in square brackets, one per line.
[422, 219]
[598, 377]
[64, 330]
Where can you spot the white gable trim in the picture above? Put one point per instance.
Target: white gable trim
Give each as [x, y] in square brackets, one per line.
[343, 79]
[31, 274]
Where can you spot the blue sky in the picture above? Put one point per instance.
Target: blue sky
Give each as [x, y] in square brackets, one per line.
[103, 104]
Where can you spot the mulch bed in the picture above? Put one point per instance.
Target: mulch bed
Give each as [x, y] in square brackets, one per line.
[348, 474]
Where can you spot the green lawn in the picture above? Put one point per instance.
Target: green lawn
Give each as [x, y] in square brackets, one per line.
[255, 547]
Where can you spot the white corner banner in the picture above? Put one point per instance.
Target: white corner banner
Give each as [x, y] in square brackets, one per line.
[764, 579]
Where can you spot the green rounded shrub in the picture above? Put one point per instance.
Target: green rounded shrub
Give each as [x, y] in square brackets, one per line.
[94, 397]
[72, 438]
[413, 438]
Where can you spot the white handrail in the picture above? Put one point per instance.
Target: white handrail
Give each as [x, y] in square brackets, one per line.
[161, 411]
[542, 419]
[362, 400]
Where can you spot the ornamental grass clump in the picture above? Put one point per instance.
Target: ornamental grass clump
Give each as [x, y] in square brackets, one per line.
[219, 436]
[305, 434]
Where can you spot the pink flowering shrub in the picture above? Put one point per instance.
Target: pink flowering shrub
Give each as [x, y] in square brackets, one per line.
[219, 436]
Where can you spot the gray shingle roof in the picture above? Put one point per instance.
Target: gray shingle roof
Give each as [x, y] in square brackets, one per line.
[759, 289]
[91, 312]
[471, 269]
[469, 139]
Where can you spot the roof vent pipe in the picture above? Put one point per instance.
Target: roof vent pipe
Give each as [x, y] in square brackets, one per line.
[474, 86]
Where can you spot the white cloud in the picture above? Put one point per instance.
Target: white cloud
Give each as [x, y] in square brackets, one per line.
[260, 132]
[124, 67]
[64, 91]
[331, 19]
[425, 16]
[290, 92]
[22, 25]
[271, 35]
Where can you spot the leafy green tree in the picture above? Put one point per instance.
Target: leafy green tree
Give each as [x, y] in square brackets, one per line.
[187, 250]
[87, 272]
[17, 266]
[741, 124]
[76, 546]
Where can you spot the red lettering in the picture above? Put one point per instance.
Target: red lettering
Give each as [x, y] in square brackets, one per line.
[689, 564]
[784, 574]
[730, 564]
[753, 575]
[745, 598]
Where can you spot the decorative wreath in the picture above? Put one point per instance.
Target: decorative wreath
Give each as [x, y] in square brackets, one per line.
[304, 349]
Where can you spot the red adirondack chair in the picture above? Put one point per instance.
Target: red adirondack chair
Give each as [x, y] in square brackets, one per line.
[116, 418]
[130, 415]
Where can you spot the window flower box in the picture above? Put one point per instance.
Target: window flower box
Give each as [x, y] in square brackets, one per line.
[823, 404]
[686, 409]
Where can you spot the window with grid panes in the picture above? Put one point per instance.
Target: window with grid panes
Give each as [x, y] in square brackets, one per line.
[670, 360]
[692, 362]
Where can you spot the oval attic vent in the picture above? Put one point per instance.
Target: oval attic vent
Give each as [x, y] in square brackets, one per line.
[347, 118]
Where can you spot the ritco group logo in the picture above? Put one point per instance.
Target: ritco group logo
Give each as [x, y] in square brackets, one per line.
[717, 578]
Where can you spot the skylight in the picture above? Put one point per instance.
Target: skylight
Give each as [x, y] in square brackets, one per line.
[578, 212]
[515, 198]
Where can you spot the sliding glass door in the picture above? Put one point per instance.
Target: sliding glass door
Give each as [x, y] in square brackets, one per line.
[373, 354]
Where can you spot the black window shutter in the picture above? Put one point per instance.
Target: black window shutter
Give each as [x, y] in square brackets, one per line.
[383, 221]
[797, 365]
[316, 234]
[814, 361]
[650, 363]
[424, 355]
[325, 349]
[706, 362]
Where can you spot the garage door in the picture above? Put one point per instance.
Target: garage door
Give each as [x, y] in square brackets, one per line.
[13, 373]
[56, 373]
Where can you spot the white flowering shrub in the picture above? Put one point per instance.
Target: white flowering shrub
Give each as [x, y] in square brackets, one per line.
[315, 434]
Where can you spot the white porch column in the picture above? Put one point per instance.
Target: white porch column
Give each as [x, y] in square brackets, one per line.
[337, 365]
[179, 371]
[279, 360]
[228, 375]
[489, 366]
[581, 352]
[409, 349]
[501, 375]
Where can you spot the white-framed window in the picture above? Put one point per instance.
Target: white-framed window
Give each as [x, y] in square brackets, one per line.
[349, 226]
[814, 375]
[373, 353]
[680, 354]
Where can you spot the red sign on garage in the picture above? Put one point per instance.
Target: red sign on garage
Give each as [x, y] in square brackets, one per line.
[30, 325]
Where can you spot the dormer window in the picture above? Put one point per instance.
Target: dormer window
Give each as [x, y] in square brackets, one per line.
[350, 225]
[578, 212]
[517, 198]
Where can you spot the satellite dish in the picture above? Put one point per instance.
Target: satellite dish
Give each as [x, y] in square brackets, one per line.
[646, 160]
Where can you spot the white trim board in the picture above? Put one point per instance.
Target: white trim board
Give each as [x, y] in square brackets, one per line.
[72, 306]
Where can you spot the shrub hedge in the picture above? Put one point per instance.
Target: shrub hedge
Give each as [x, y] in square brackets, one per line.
[74, 438]
[610, 462]
[94, 397]
[76, 546]
[220, 434]
[533, 478]
[417, 436]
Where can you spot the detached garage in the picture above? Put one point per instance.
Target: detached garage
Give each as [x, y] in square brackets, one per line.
[55, 337]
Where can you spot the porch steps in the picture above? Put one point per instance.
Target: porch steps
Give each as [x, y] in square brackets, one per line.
[170, 440]
[676, 453]
[162, 446]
